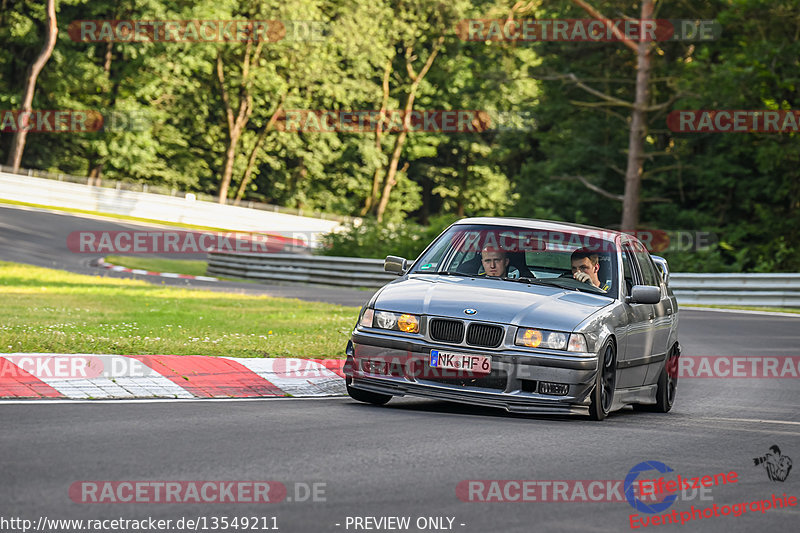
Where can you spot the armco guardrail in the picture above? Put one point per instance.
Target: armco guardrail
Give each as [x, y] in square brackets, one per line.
[342, 271]
[777, 290]
[781, 290]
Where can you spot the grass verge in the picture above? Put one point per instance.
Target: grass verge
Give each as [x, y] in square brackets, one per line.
[748, 308]
[156, 264]
[48, 310]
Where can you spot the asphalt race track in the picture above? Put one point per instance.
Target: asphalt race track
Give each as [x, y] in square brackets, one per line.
[39, 237]
[405, 459]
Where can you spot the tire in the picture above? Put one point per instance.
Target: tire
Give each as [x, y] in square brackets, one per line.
[365, 396]
[667, 385]
[603, 393]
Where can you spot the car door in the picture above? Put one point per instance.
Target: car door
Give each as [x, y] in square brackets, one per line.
[633, 366]
[661, 321]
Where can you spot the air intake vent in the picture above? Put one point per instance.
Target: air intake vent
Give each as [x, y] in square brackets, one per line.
[498, 379]
[447, 330]
[484, 335]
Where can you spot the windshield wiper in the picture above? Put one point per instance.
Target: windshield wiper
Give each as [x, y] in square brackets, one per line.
[445, 273]
[532, 281]
[564, 283]
[543, 281]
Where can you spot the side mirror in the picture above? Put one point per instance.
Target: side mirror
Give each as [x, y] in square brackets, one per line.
[662, 265]
[395, 265]
[644, 294]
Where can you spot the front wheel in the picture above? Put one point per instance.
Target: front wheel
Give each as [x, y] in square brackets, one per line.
[603, 393]
[365, 396]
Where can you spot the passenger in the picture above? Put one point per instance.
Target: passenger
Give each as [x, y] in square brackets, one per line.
[495, 263]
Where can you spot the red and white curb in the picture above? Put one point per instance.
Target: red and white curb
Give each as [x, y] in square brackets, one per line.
[116, 268]
[92, 376]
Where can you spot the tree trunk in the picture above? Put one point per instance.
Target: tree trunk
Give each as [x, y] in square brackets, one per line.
[227, 171]
[389, 181]
[376, 188]
[633, 174]
[108, 57]
[94, 175]
[18, 141]
[236, 124]
[376, 176]
[248, 172]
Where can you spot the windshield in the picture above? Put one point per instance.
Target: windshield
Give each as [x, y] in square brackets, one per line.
[581, 261]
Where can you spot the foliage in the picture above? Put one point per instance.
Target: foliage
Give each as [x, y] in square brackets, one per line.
[377, 240]
[744, 187]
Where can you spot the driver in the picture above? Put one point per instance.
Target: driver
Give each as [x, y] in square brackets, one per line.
[495, 263]
[585, 267]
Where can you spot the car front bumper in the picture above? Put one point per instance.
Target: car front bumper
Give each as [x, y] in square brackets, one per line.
[399, 366]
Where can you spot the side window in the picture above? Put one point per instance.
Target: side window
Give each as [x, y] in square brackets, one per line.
[649, 274]
[627, 269]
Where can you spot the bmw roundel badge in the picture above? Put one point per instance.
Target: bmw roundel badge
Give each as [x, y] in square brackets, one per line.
[470, 311]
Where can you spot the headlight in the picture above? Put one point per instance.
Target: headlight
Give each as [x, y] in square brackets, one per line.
[541, 338]
[396, 321]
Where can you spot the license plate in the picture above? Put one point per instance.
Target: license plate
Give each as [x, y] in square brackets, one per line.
[479, 364]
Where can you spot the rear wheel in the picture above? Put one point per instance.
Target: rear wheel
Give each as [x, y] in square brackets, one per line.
[603, 394]
[365, 396]
[667, 385]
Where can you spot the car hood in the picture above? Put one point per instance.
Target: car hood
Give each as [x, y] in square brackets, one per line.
[504, 302]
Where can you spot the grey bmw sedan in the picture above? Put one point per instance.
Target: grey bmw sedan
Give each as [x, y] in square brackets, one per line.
[526, 315]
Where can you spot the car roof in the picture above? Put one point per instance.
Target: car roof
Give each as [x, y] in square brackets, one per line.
[531, 223]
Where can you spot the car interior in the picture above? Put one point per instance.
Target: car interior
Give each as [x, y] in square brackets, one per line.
[516, 260]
